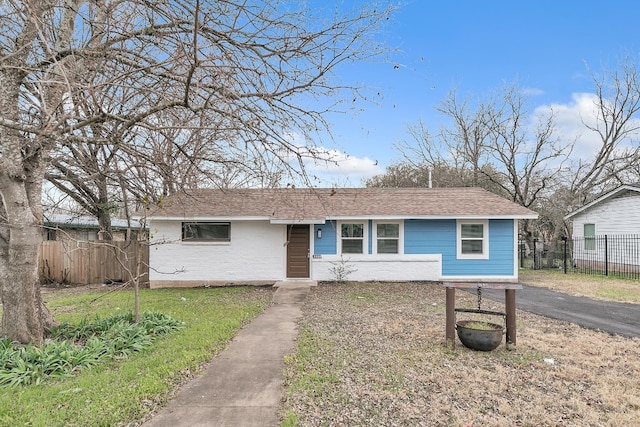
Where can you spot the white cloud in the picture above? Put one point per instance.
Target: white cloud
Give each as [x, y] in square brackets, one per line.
[327, 167]
[570, 120]
[341, 168]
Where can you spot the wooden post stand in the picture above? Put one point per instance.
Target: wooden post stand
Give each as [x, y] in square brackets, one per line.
[509, 302]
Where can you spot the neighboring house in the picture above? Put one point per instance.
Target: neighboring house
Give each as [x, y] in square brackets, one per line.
[81, 228]
[615, 215]
[212, 237]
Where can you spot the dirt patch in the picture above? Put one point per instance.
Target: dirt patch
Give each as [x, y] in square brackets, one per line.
[373, 354]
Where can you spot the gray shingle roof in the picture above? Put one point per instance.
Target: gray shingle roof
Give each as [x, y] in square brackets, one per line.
[327, 203]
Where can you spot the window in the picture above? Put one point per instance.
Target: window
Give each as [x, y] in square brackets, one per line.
[352, 236]
[473, 239]
[51, 234]
[589, 237]
[206, 231]
[87, 235]
[387, 238]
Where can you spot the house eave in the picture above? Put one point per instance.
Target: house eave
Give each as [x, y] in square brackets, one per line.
[308, 221]
[404, 217]
[208, 218]
[336, 218]
[601, 199]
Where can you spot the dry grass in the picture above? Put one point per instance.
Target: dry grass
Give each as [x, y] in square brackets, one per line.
[373, 354]
[597, 287]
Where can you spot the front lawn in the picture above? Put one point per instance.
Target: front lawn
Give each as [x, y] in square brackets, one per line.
[124, 391]
[374, 354]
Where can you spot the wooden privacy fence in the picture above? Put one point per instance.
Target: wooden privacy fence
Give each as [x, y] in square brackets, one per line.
[93, 262]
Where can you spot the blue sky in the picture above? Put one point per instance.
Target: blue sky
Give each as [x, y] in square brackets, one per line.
[474, 47]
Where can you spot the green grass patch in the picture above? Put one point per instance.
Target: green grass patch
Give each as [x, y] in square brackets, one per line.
[616, 294]
[480, 326]
[117, 392]
[289, 419]
[608, 288]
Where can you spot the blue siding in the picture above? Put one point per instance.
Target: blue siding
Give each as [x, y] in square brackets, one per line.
[500, 262]
[439, 236]
[501, 250]
[430, 237]
[326, 245]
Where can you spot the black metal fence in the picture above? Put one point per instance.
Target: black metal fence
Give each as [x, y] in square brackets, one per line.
[609, 255]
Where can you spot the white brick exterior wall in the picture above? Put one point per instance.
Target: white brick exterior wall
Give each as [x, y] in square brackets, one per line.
[380, 267]
[256, 252]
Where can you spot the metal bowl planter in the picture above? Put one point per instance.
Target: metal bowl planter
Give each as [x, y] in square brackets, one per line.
[486, 338]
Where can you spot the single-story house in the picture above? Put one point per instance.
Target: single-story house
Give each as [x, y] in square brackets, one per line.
[211, 237]
[616, 215]
[616, 212]
[84, 228]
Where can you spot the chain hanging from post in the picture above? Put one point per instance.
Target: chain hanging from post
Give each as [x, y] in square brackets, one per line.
[479, 297]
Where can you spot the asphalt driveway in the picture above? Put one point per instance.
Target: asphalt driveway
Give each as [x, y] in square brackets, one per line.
[612, 317]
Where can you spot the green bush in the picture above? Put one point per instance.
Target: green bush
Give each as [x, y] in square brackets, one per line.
[74, 347]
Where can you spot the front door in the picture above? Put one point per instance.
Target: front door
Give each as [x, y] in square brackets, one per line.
[298, 251]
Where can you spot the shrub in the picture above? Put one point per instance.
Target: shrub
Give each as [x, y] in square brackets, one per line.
[79, 346]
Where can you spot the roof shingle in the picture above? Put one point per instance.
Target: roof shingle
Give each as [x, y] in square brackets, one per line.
[288, 204]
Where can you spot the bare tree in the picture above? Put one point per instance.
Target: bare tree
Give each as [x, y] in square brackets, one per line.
[615, 161]
[466, 140]
[183, 153]
[493, 144]
[81, 172]
[457, 155]
[616, 107]
[400, 175]
[528, 158]
[70, 67]
[441, 174]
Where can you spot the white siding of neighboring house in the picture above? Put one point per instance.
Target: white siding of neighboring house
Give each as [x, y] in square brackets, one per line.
[619, 215]
[255, 253]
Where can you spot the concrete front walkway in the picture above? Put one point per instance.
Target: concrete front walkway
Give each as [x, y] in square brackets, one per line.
[242, 386]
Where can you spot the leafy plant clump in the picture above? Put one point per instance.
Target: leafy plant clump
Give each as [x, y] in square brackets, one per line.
[341, 270]
[74, 347]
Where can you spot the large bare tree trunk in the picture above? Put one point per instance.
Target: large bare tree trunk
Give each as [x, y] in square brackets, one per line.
[24, 316]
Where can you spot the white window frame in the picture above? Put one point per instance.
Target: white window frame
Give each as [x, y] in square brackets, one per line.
[374, 236]
[485, 239]
[365, 236]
